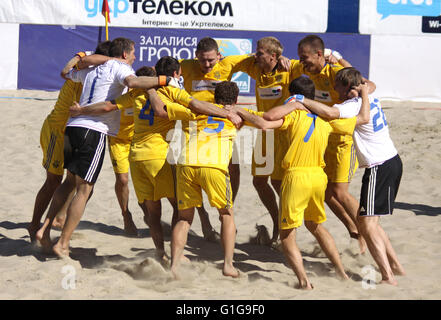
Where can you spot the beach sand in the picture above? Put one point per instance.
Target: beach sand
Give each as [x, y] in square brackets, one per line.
[105, 264]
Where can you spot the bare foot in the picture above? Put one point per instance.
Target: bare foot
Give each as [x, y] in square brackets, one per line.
[163, 259]
[129, 226]
[61, 252]
[45, 241]
[398, 270]
[230, 271]
[342, 276]
[307, 286]
[211, 235]
[32, 230]
[174, 273]
[392, 282]
[58, 222]
[361, 242]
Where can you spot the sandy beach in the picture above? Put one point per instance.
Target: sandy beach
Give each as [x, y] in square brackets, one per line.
[105, 264]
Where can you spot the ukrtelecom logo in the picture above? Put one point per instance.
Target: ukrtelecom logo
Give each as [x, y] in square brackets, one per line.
[176, 7]
[387, 8]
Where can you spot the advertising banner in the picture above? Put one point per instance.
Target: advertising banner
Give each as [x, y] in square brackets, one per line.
[43, 50]
[400, 17]
[255, 15]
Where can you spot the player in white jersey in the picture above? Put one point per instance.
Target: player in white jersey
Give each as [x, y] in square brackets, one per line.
[85, 136]
[383, 169]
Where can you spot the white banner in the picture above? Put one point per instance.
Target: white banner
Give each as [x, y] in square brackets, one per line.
[406, 17]
[253, 15]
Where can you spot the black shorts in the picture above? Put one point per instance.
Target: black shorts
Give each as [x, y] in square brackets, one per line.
[380, 187]
[84, 152]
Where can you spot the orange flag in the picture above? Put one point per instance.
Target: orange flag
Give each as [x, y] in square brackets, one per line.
[105, 10]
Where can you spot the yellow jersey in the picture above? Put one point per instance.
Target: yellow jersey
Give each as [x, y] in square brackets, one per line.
[69, 92]
[150, 132]
[324, 83]
[201, 86]
[308, 137]
[209, 140]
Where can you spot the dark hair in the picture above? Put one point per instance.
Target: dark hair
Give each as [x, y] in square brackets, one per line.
[120, 46]
[166, 66]
[226, 92]
[146, 71]
[207, 44]
[103, 48]
[349, 77]
[302, 85]
[313, 41]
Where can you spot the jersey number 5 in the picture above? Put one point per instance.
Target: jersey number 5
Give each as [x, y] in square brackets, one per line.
[219, 127]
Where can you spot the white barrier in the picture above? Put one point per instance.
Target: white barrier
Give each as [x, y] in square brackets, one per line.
[406, 67]
[9, 34]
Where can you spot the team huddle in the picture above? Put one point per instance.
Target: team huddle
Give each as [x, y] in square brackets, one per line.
[326, 123]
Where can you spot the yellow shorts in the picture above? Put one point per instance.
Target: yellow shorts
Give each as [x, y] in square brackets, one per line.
[52, 144]
[340, 158]
[152, 180]
[302, 197]
[119, 150]
[267, 157]
[192, 180]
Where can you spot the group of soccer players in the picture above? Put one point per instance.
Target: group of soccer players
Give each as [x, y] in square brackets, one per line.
[314, 156]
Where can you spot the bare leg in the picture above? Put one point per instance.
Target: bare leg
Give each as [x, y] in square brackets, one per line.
[276, 185]
[294, 257]
[228, 239]
[207, 230]
[74, 215]
[268, 198]
[395, 265]
[145, 211]
[179, 238]
[42, 201]
[345, 207]
[122, 194]
[326, 242]
[62, 196]
[234, 170]
[154, 209]
[377, 247]
[174, 205]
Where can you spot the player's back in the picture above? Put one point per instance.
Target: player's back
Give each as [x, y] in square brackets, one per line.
[372, 140]
[308, 138]
[104, 82]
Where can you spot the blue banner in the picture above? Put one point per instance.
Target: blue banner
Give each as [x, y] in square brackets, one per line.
[44, 49]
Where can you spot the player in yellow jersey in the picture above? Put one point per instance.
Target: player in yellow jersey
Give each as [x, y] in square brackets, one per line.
[200, 78]
[119, 148]
[150, 171]
[52, 145]
[304, 181]
[203, 165]
[340, 158]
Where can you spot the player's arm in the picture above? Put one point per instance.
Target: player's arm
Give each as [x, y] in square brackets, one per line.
[92, 60]
[203, 107]
[157, 104]
[257, 121]
[93, 109]
[144, 82]
[363, 116]
[291, 104]
[69, 65]
[322, 110]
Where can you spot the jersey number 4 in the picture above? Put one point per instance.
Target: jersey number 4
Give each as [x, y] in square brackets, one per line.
[147, 116]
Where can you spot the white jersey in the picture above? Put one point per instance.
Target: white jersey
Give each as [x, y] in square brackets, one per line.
[104, 82]
[372, 141]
